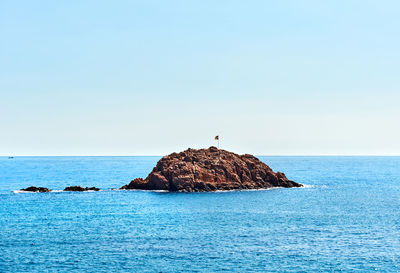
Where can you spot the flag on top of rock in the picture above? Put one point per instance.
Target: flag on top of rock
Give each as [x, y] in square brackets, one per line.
[217, 139]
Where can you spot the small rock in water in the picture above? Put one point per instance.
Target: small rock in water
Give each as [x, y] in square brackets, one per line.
[36, 189]
[79, 188]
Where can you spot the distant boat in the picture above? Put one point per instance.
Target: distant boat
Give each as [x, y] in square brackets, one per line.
[10, 157]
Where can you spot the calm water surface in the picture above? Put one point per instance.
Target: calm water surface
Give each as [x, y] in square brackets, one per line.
[346, 220]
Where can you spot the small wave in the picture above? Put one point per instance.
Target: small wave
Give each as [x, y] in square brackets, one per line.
[79, 191]
[313, 186]
[238, 190]
[217, 191]
[140, 190]
[19, 191]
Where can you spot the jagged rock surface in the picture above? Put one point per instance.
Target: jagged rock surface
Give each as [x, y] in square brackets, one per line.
[36, 189]
[79, 188]
[210, 170]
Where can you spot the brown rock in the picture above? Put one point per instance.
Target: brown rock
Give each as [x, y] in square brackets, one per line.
[210, 170]
[36, 189]
[79, 188]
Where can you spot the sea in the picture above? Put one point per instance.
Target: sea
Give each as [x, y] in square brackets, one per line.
[345, 219]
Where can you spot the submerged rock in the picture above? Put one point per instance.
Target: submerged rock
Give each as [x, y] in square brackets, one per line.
[36, 189]
[79, 188]
[210, 170]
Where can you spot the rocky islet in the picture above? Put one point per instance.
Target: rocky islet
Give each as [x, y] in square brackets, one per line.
[202, 170]
[212, 169]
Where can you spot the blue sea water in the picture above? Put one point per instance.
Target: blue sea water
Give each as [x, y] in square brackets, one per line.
[347, 219]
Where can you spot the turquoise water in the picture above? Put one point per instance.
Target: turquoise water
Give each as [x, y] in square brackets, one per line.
[347, 219]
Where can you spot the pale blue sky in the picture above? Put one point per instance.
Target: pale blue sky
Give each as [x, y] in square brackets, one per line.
[152, 77]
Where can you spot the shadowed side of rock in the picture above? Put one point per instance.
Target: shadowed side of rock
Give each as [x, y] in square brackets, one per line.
[210, 170]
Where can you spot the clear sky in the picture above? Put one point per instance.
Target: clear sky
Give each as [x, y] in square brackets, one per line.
[151, 77]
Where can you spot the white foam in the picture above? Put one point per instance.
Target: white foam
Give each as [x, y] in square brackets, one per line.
[262, 189]
[217, 191]
[140, 190]
[19, 191]
[308, 186]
